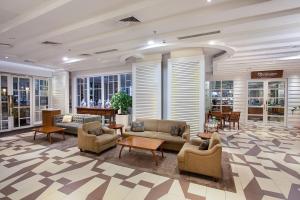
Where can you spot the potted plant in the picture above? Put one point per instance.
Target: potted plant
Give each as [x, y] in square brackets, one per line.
[121, 101]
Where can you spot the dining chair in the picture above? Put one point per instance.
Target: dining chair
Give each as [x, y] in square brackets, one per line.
[218, 115]
[234, 117]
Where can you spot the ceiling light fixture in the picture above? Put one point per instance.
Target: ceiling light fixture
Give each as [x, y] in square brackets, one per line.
[6, 57]
[290, 58]
[208, 1]
[212, 42]
[65, 58]
[150, 42]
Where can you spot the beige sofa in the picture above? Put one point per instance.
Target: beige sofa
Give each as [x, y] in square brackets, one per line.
[207, 162]
[93, 143]
[160, 129]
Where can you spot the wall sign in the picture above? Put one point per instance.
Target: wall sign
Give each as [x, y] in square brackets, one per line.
[267, 74]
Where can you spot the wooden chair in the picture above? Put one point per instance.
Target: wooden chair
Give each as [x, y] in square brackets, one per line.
[219, 117]
[233, 118]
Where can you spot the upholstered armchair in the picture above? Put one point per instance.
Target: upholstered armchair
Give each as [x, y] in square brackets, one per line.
[206, 162]
[93, 143]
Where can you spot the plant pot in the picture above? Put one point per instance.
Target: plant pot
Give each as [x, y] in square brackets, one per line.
[123, 119]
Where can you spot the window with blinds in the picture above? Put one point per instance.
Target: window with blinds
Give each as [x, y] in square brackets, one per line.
[147, 90]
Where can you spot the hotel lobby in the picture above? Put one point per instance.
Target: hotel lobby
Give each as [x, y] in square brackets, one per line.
[150, 99]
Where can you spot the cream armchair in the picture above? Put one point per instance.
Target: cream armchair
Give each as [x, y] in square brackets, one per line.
[93, 143]
[206, 162]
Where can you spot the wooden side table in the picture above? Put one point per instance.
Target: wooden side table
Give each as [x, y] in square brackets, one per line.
[116, 127]
[205, 136]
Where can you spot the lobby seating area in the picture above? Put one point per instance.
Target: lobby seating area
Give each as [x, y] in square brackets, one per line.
[149, 100]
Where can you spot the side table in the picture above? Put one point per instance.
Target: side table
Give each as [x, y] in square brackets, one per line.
[116, 127]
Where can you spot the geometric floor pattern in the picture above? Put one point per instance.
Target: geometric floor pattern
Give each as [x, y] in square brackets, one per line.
[265, 163]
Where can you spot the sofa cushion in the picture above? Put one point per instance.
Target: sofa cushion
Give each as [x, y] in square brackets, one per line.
[148, 134]
[165, 125]
[105, 138]
[78, 118]
[174, 130]
[168, 137]
[66, 125]
[215, 139]
[67, 119]
[137, 126]
[149, 124]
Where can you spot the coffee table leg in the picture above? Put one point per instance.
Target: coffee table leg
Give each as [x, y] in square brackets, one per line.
[50, 140]
[121, 151]
[154, 157]
[129, 149]
[121, 130]
[34, 135]
[162, 152]
[63, 133]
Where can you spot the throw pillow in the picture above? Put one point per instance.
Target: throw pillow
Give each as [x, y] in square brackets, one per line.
[137, 127]
[181, 130]
[174, 131]
[67, 119]
[204, 145]
[96, 131]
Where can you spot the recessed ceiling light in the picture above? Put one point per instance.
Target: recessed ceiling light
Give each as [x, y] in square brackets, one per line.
[208, 1]
[212, 42]
[65, 58]
[6, 57]
[150, 42]
[290, 58]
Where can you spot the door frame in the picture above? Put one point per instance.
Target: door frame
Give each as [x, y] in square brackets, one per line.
[265, 89]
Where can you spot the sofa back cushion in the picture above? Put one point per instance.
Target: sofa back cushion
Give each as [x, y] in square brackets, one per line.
[165, 125]
[91, 125]
[214, 140]
[149, 124]
[78, 118]
[67, 119]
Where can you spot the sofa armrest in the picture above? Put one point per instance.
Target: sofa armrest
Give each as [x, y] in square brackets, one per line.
[186, 134]
[209, 152]
[108, 130]
[84, 139]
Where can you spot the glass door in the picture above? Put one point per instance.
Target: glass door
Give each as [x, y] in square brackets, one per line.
[256, 106]
[266, 102]
[4, 103]
[21, 110]
[275, 105]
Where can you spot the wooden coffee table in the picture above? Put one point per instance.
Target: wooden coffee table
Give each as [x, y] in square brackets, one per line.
[48, 130]
[142, 143]
[205, 136]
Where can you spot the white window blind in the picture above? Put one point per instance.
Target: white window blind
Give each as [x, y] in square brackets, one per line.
[147, 90]
[184, 91]
[293, 100]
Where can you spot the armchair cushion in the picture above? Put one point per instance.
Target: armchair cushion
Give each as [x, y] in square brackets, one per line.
[204, 145]
[214, 140]
[96, 131]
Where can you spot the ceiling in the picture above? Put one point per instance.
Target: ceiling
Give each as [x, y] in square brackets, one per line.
[256, 34]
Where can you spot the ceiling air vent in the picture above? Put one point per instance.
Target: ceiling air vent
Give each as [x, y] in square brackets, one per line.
[106, 51]
[219, 54]
[6, 44]
[198, 35]
[51, 43]
[130, 19]
[29, 61]
[85, 54]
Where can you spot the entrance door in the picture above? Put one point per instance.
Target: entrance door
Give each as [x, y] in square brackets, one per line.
[266, 101]
[3, 103]
[21, 107]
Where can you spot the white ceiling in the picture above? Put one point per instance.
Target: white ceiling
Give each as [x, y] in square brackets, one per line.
[255, 33]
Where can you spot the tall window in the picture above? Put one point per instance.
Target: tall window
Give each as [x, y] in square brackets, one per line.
[219, 96]
[41, 93]
[126, 80]
[110, 86]
[82, 92]
[4, 103]
[95, 91]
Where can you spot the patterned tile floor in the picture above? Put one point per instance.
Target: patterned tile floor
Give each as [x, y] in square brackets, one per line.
[265, 163]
